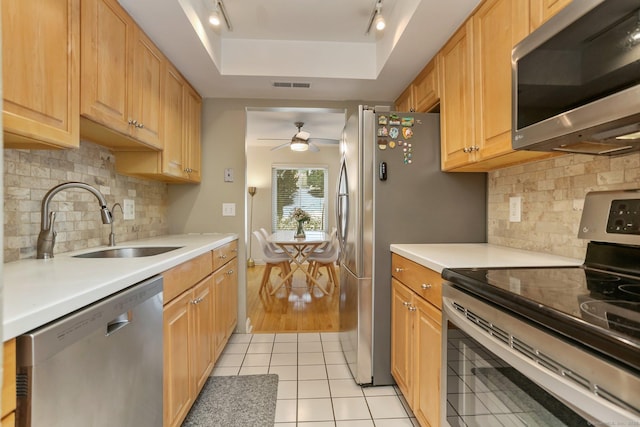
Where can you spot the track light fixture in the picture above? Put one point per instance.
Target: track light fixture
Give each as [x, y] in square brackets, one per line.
[633, 38]
[376, 19]
[218, 13]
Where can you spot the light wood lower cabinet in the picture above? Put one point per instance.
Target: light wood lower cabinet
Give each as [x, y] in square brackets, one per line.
[9, 384]
[416, 331]
[200, 313]
[226, 301]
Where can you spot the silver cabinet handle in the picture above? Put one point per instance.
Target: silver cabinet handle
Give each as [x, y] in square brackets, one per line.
[406, 303]
[399, 270]
[426, 286]
[197, 300]
[411, 308]
[139, 125]
[230, 272]
[133, 122]
[223, 256]
[466, 150]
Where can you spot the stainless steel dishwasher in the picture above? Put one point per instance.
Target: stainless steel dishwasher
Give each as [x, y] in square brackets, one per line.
[100, 366]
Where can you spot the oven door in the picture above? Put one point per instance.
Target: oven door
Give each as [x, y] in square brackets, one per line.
[503, 371]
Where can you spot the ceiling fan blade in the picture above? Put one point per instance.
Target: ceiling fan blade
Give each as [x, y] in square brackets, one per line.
[273, 139]
[324, 140]
[278, 147]
[313, 147]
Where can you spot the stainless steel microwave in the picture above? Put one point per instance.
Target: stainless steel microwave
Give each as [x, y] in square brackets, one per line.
[576, 81]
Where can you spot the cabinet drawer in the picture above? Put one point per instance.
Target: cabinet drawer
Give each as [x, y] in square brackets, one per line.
[184, 276]
[224, 254]
[422, 280]
[9, 378]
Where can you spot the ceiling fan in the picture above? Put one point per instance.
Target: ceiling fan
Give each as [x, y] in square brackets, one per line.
[301, 140]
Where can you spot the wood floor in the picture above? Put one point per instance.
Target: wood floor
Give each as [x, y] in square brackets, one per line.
[297, 310]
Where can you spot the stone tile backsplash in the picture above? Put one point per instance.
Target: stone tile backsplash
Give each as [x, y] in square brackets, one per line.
[553, 192]
[29, 174]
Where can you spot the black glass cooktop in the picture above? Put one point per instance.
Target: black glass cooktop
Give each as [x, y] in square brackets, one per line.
[597, 309]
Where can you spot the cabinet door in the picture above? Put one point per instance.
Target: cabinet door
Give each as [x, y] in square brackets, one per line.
[402, 338]
[172, 156]
[179, 387]
[202, 360]
[193, 112]
[9, 378]
[106, 40]
[542, 10]
[40, 63]
[426, 90]
[405, 101]
[220, 311]
[231, 285]
[456, 103]
[498, 25]
[147, 87]
[427, 368]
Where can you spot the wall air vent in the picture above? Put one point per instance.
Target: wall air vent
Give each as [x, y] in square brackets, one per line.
[291, 84]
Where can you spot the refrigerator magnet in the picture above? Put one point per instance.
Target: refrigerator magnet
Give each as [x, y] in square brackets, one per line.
[407, 121]
[394, 120]
[382, 120]
[394, 132]
[407, 132]
[383, 131]
[392, 144]
[382, 144]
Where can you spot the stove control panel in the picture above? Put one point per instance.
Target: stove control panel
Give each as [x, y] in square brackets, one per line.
[624, 217]
[611, 217]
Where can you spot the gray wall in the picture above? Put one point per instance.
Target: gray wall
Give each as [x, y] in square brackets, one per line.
[199, 208]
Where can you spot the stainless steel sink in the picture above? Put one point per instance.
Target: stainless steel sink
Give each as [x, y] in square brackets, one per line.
[135, 252]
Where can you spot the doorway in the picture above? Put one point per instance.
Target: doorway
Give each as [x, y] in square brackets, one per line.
[270, 132]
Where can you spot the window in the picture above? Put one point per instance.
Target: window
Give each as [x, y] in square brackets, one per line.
[299, 187]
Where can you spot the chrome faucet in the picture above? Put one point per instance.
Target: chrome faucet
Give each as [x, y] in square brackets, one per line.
[112, 235]
[47, 236]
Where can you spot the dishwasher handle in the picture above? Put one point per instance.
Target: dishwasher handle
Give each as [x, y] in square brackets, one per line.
[118, 323]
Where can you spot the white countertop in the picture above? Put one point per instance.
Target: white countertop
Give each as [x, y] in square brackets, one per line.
[439, 256]
[39, 291]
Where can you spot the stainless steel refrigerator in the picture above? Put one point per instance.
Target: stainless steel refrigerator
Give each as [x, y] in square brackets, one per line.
[391, 190]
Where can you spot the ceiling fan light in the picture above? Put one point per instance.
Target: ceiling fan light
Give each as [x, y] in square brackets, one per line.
[379, 22]
[299, 145]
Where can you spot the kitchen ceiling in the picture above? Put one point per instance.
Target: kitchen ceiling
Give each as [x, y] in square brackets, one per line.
[321, 42]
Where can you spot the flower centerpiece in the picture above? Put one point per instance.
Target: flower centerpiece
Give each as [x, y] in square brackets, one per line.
[301, 217]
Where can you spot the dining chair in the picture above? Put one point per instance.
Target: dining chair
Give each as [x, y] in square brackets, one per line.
[272, 259]
[265, 235]
[327, 259]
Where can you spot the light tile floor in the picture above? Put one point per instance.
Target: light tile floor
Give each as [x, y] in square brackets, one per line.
[316, 388]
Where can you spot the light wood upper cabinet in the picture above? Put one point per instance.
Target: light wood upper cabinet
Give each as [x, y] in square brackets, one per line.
[191, 146]
[146, 108]
[542, 10]
[174, 97]
[498, 25]
[121, 77]
[40, 66]
[426, 92]
[456, 99]
[405, 101]
[423, 94]
[179, 161]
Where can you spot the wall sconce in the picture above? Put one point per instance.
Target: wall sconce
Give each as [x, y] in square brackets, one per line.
[376, 19]
[252, 192]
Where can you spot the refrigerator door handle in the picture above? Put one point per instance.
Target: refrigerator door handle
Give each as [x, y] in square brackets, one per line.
[342, 206]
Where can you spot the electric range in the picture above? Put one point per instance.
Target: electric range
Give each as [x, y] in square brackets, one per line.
[593, 309]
